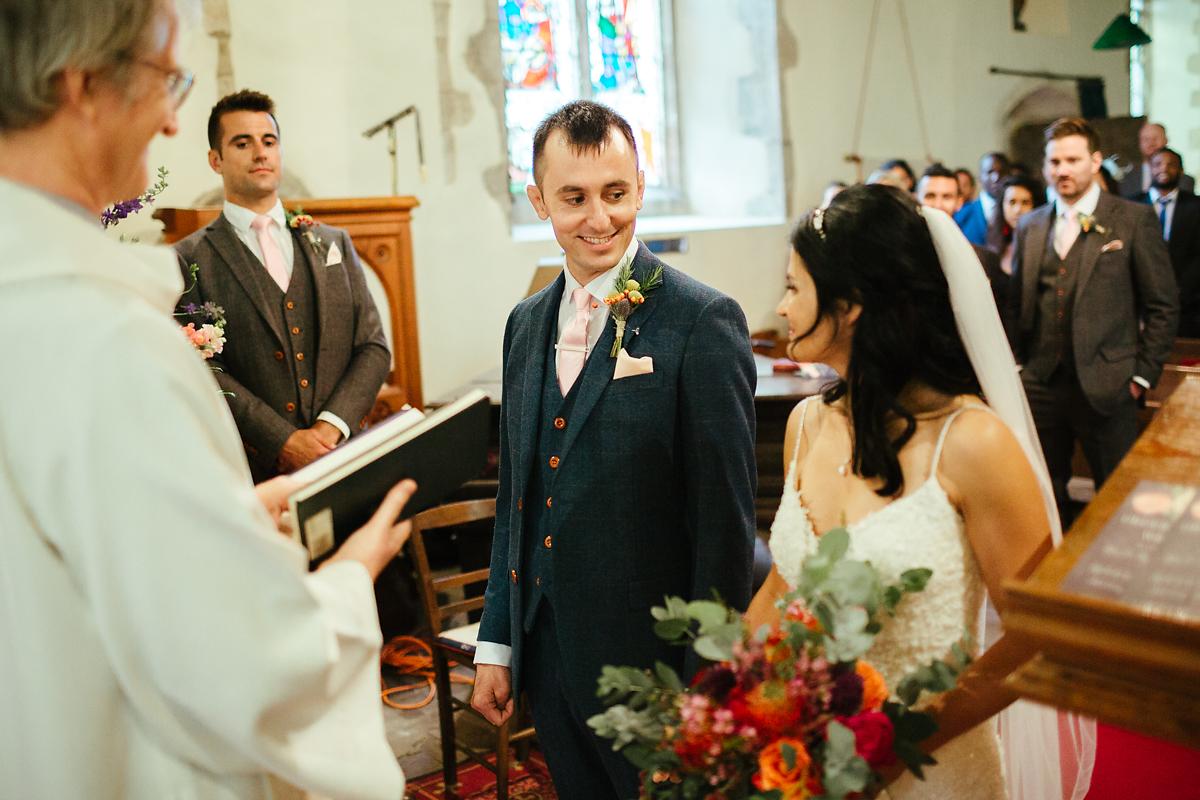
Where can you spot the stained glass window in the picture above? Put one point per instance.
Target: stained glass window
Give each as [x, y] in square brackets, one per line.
[555, 51]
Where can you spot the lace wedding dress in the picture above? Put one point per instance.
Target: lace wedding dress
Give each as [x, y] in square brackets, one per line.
[919, 529]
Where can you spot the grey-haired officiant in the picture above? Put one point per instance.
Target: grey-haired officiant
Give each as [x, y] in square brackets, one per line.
[627, 467]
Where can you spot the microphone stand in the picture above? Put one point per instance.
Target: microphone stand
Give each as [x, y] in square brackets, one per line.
[390, 125]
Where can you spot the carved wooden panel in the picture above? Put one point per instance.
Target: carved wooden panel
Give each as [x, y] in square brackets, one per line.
[380, 228]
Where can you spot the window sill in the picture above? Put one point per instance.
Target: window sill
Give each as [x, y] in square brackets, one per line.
[658, 226]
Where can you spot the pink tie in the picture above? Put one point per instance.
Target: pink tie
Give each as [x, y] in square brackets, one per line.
[272, 256]
[572, 346]
[1066, 233]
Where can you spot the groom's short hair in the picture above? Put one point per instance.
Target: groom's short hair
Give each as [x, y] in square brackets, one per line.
[243, 100]
[586, 125]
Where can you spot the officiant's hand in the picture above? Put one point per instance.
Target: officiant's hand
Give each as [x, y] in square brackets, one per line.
[273, 494]
[303, 447]
[492, 696]
[375, 544]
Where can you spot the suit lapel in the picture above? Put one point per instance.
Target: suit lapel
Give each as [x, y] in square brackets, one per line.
[1035, 248]
[1093, 240]
[598, 372]
[541, 322]
[240, 262]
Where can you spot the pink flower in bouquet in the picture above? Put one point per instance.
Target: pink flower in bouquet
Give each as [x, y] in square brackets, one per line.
[873, 737]
[774, 772]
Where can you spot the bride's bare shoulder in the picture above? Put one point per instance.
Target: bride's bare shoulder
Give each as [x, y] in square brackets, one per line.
[979, 446]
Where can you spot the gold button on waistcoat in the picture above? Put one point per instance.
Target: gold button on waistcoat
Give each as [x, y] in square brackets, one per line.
[559, 423]
[547, 541]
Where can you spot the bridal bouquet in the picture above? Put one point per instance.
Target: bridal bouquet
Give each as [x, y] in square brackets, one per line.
[781, 714]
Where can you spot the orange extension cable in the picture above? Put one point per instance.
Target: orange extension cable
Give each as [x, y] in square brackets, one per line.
[412, 657]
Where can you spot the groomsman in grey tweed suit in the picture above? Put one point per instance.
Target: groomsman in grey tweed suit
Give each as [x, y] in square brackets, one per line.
[1096, 309]
[627, 468]
[305, 353]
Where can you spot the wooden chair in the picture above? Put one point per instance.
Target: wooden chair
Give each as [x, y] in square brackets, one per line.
[456, 646]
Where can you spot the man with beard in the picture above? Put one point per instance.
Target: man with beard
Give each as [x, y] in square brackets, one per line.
[1178, 213]
[975, 217]
[1095, 307]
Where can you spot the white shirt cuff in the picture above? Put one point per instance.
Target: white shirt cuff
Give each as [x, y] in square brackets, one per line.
[1142, 382]
[335, 421]
[493, 653]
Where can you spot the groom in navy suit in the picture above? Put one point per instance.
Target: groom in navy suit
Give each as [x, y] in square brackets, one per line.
[622, 479]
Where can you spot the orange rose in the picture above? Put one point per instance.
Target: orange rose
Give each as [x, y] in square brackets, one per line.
[773, 772]
[875, 691]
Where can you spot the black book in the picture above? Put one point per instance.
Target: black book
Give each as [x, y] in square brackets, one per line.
[341, 490]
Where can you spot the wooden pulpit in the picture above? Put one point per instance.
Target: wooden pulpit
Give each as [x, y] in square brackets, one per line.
[379, 227]
[1114, 613]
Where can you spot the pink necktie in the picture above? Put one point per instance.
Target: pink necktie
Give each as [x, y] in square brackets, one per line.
[272, 256]
[1066, 233]
[572, 346]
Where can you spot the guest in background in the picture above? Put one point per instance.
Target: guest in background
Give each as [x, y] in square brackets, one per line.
[305, 353]
[938, 189]
[162, 638]
[1152, 137]
[1018, 196]
[831, 191]
[1095, 306]
[966, 184]
[1178, 212]
[1107, 182]
[974, 217]
[901, 172]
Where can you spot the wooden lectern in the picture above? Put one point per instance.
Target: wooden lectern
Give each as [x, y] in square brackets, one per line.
[382, 237]
[1114, 613]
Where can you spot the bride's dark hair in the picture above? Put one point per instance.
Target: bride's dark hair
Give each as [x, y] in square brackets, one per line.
[871, 247]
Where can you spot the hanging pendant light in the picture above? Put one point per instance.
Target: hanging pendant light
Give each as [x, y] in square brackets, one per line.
[1122, 33]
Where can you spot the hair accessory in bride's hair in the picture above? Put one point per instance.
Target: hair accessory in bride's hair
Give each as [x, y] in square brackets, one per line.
[818, 222]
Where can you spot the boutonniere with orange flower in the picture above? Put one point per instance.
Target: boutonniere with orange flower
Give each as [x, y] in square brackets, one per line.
[1087, 223]
[782, 713]
[304, 223]
[628, 294]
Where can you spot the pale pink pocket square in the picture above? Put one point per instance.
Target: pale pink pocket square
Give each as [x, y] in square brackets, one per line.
[627, 365]
[1115, 244]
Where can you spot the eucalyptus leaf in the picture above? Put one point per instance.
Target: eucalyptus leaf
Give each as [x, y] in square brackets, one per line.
[714, 648]
[668, 677]
[672, 629]
[915, 580]
[709, 614]
[853, 583]
[834, 543]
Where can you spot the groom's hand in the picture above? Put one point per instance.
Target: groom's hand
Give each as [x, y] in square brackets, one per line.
[492, 696]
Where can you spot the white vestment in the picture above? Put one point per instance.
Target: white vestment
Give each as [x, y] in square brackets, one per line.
[161, 639]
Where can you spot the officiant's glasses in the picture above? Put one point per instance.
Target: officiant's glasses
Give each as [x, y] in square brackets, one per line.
[179, 80]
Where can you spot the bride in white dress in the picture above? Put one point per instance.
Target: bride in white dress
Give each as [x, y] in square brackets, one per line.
[905, 454]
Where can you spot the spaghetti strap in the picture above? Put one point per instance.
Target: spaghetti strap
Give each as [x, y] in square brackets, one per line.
[791, 471]
[937, 451]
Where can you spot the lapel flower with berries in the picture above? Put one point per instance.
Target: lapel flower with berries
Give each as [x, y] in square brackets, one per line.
[1087, 222]
[304, 223]
[627, 295]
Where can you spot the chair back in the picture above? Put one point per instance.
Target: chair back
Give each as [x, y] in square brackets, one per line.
[440, 518]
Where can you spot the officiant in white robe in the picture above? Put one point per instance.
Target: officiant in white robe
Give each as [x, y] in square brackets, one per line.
[162, 638]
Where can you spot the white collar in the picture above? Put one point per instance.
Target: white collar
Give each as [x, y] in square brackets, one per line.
[45, 237]
[601, 286]
[240, 217]
[1084, 205]
[1156, 195]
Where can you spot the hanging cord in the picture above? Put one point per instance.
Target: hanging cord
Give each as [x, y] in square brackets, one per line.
[854, 155]
[912, 71]
[412, 657]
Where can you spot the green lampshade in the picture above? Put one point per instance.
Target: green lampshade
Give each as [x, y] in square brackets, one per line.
[1121, 33]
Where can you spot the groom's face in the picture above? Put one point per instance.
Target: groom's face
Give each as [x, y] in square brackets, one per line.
[591, 199]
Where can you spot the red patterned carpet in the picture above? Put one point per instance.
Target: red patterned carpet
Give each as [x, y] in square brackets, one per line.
[529, 781]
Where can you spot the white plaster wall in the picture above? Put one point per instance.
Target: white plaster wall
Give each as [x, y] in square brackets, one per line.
[336, 68]
[1173, 76]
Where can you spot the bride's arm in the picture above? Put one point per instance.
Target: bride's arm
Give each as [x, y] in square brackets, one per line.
[762, 609]
[988, 477]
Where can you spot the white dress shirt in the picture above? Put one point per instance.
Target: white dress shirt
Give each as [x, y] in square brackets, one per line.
[1171, 198]
[240, 218]
[599, 288]
[989, 206]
